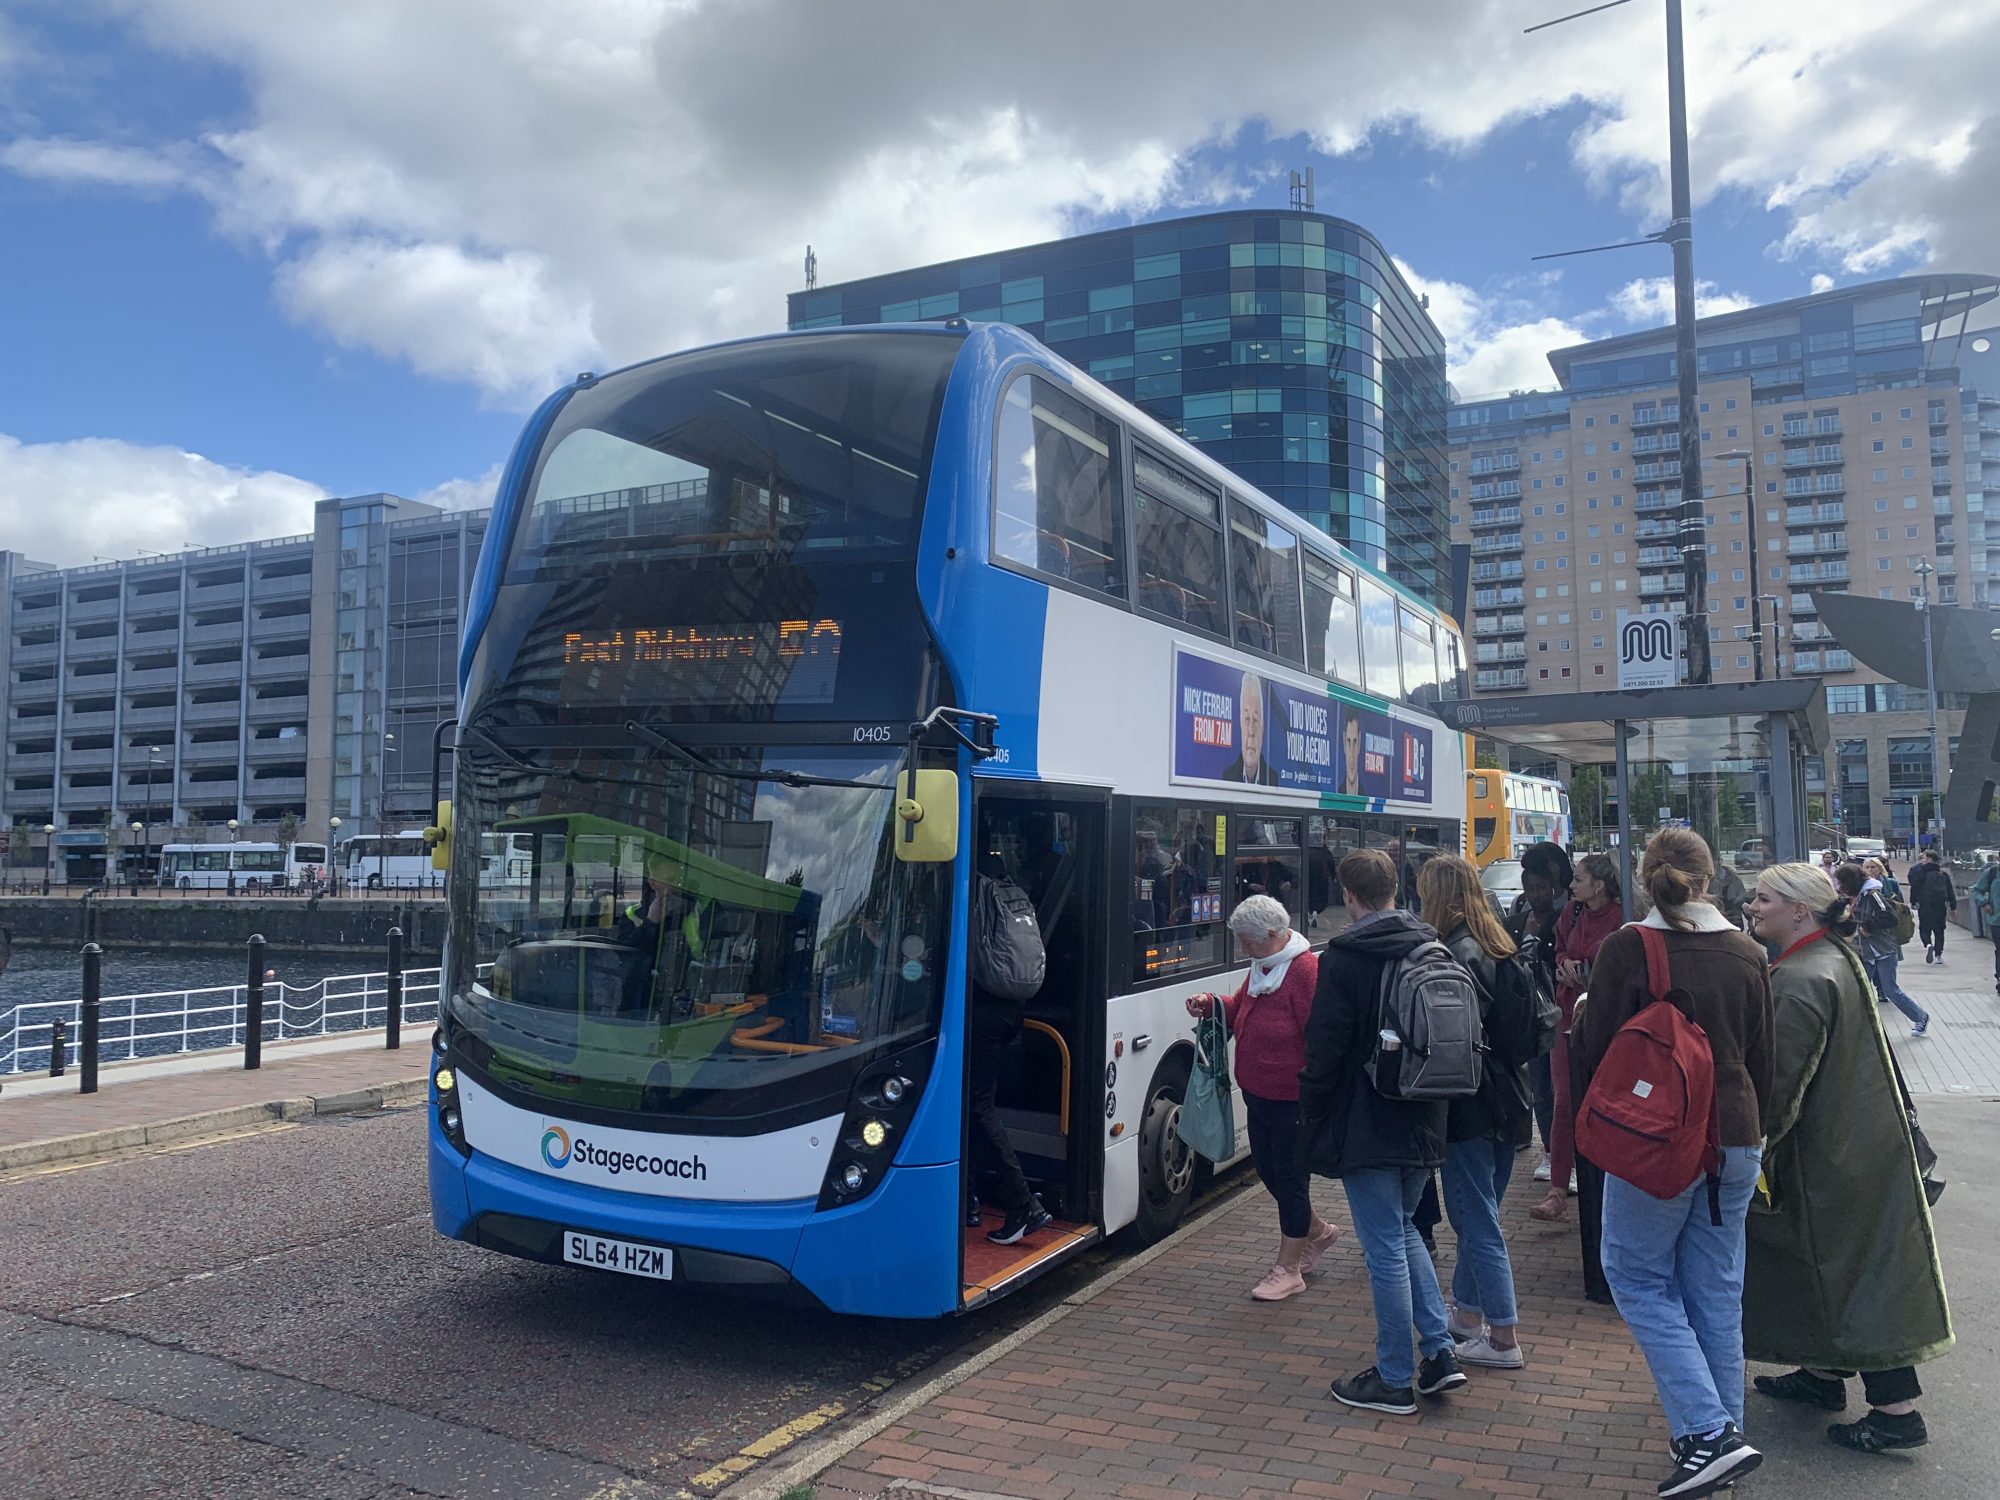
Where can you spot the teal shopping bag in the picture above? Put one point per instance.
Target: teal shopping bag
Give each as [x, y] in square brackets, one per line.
[1208, 1114]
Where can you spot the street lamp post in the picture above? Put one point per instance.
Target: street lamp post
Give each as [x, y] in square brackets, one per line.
[152, 765]
[1757, 563]
[233, 826]
[1777, 637]
[382, 812]
[1924, 569]
[333, 853]
[48, 855]
[144, 830]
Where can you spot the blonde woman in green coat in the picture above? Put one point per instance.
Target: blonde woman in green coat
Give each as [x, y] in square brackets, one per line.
[1842, 1273]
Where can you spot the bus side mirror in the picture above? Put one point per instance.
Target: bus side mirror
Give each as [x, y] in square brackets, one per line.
[438, 837]
[927, 818]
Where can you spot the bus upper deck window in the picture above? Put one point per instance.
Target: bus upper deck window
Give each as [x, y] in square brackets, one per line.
[1333, 626]
[1177, 526]
[1264, 570]
[1057, 505]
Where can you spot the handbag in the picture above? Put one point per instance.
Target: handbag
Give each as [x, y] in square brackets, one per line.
[1208, 1115]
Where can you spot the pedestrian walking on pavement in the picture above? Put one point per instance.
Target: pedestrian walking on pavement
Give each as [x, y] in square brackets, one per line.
[1546, 876]
[1383, 1150]
[1267, 1017]
[1675, 1265]
[1876, 941]
[1843, 1271]
[1935, 897]
[1483, 1132]
[1986, 902]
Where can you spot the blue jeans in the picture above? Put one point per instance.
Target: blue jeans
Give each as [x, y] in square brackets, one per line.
[1882, 974]
[1678, 1281]
[1400, 1274]
[1475, 1180]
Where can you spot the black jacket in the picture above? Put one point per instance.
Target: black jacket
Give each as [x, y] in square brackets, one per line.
[1344, 1124]
[1931, 889]
[1504, 1104]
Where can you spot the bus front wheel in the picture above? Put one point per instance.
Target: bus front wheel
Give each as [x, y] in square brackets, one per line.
[1166, 1163]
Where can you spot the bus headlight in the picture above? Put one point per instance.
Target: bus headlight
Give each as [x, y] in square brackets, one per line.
[880, 1107]
[451, 1119]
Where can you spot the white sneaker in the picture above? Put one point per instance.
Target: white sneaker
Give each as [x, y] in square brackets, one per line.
[1542, 1170]
[1481, 1352]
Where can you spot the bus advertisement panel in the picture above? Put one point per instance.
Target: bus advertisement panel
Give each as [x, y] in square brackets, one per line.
[1234, 728]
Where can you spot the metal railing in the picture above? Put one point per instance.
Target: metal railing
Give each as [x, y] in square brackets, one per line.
[167, 1023]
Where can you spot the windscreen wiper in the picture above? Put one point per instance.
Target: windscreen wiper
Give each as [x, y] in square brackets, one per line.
[646, 734]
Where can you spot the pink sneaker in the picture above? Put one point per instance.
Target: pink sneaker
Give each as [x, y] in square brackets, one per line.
[1278, 1284]
[1316, 1247]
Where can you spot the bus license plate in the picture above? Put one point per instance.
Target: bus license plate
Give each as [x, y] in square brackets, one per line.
[618, 1255]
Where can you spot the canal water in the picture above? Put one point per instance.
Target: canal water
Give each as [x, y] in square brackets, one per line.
[38, 974]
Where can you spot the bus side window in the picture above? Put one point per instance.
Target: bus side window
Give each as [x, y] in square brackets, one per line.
[1057, 493]
[1333, 628]
[1177, 527]
[1264, 575]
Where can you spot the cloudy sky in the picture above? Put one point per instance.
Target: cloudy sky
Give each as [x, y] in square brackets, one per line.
[256, 251]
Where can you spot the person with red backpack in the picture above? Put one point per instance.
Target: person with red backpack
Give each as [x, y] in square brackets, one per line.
[1676, 1042]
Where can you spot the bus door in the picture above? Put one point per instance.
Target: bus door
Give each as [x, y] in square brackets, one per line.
[1049, 1085]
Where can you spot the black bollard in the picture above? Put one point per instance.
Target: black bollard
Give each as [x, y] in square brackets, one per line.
[394, 987]
[253, 1018]
[58, 1046]
[86, 1047]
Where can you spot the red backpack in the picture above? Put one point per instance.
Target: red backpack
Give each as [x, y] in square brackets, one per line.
[1649, 1115]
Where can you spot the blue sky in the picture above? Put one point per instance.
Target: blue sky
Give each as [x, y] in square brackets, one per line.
[337, 251]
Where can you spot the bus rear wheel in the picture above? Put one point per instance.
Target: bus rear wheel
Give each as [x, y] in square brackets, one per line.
[1166, 1163]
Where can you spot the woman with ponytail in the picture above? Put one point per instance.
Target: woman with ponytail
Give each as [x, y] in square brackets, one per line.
[1677, 1275]
[1843, 1270]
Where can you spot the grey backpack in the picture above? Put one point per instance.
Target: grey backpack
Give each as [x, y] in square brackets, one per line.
[1008, 957]
[1429, 1043]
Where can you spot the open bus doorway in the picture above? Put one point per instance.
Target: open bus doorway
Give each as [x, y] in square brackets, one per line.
[1048, 1093]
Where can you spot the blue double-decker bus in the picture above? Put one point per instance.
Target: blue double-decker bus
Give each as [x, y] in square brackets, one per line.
[773, 649]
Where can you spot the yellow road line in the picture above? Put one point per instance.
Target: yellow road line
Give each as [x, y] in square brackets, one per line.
[111, 1158]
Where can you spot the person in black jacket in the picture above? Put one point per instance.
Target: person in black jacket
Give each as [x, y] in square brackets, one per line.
[1933, 894]
[1383, 1150]
[1546, 876]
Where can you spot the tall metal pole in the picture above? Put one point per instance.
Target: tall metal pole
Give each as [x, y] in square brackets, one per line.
[1924, 571]
[1756, 567]
[1680, 235]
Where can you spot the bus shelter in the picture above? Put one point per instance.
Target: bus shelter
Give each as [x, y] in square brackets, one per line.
[1728, 760]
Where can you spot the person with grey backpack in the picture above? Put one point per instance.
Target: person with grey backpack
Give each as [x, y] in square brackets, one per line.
[1393, 1036]
[1008, 962]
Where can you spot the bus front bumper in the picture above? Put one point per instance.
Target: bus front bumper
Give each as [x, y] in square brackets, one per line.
[894, 1254]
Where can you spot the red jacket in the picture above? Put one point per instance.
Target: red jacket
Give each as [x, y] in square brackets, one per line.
[1580, 932]
[1270, 1031]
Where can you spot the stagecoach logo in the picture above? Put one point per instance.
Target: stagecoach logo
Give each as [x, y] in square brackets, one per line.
[555, 1146]
[1648, 651]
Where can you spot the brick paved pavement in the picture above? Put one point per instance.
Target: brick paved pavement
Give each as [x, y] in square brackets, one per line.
[1962, 1053]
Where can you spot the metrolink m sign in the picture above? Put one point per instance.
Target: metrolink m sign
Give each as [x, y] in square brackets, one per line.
[1649, 650]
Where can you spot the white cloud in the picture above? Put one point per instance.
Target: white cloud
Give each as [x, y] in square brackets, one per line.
[464, 494]
[1648, 302]
[1821, 282]
[68, 502]
[1494, 343]
[500, 191]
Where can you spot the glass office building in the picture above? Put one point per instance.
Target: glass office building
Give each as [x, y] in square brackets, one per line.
[1286, 344]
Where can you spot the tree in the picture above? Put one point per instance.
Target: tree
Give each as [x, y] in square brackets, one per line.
[1486, 756]
[1587, 804]
[288, 830]
[196, 828]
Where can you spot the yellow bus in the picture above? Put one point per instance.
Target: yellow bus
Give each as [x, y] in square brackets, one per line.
[1504, 813]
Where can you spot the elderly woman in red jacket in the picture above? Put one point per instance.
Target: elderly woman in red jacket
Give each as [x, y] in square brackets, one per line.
[1267, 1019]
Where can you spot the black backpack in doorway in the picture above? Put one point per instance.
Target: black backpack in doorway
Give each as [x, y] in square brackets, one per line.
[1009, 960]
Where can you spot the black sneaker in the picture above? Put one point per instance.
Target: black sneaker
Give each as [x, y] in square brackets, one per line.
[973, 1217]
[1021, 1223]
[1806, 1388]
[1878, 1432]
[1705, 1464]
[1368, 1392]
[1440, 1373]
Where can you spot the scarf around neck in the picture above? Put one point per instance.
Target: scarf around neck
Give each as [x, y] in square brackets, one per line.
[1266, 974]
